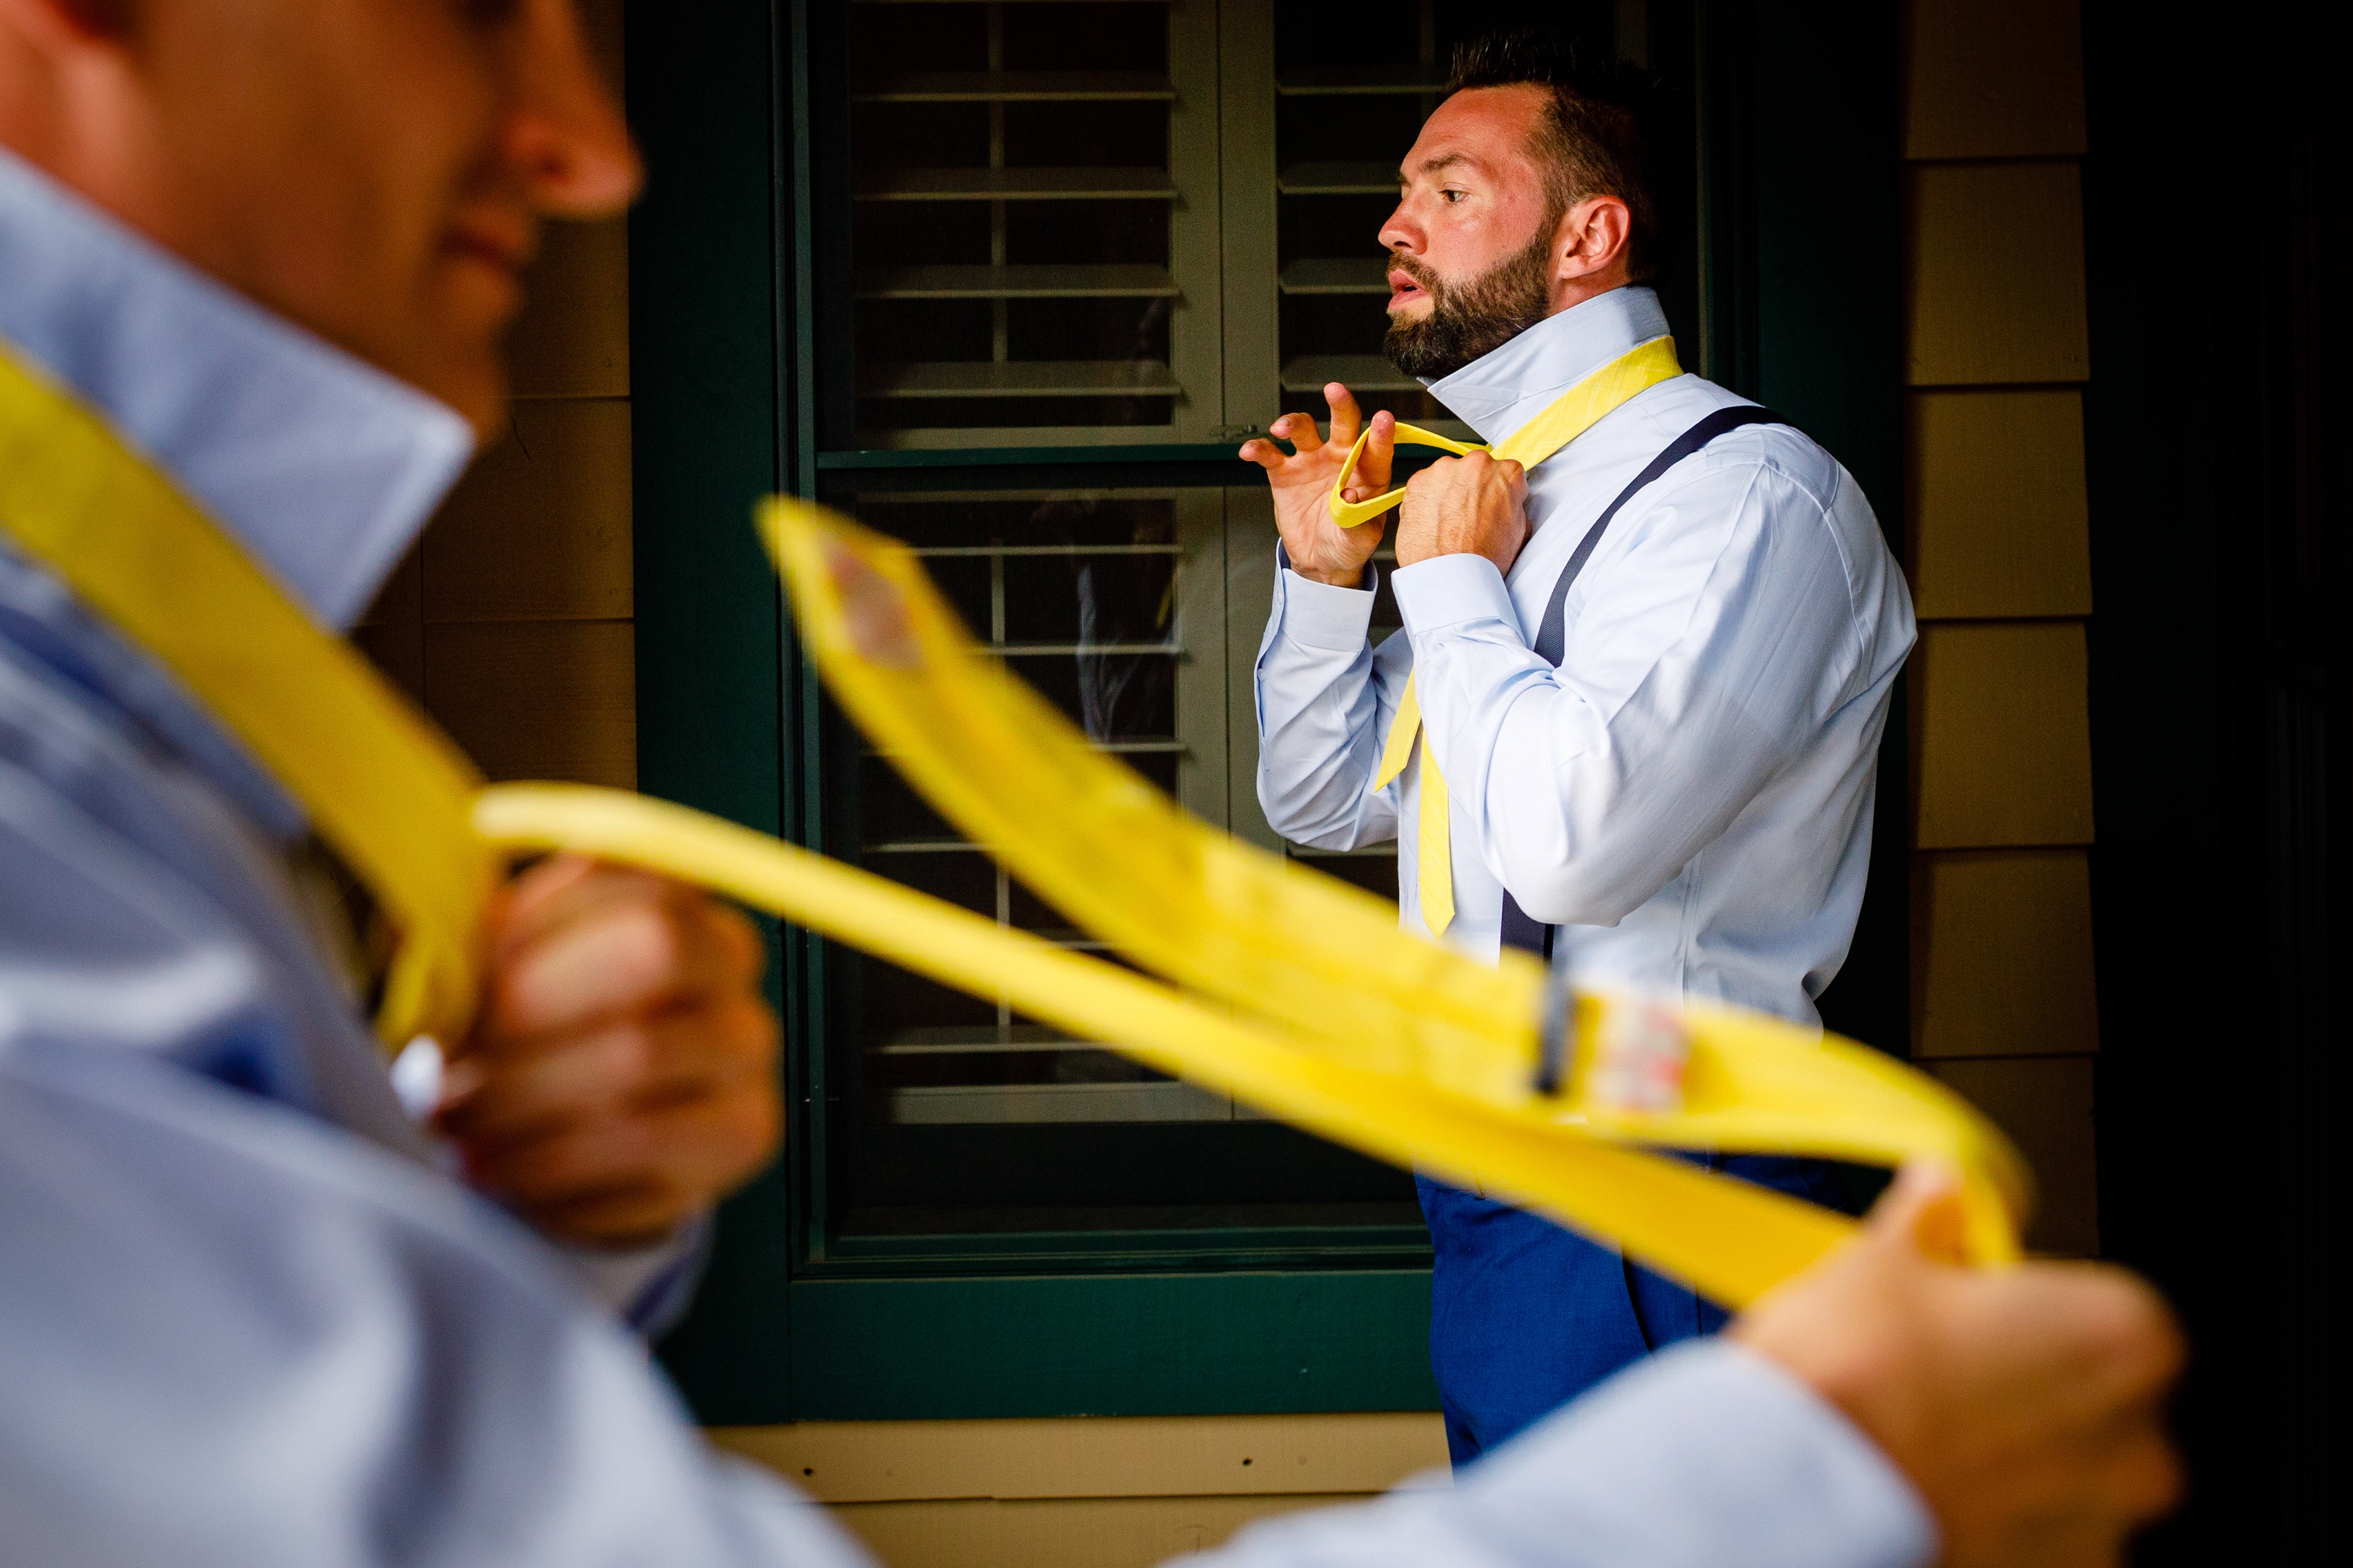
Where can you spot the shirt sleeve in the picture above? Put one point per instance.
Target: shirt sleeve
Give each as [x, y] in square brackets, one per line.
[1724, 633]
[1702, 1456]
[233, 1336]
[1325, 697]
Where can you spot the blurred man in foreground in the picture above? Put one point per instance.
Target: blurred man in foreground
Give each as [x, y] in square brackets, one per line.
[248, 1318]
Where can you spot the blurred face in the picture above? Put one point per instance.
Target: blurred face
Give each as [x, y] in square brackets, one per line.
[375, 170]
[1471, 242]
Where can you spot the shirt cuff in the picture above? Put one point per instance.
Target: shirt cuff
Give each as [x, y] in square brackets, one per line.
[1320, 617]
[1706, 1453]
[1448, 590]
[646, 1287]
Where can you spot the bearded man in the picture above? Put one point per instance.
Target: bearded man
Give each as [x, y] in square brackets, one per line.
[1633, 717]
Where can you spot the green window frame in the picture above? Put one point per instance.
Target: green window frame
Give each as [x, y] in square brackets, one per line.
[1796, 306]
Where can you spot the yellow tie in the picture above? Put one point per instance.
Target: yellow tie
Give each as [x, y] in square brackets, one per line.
[1433, 826]
[1313, 1004]
[1569, 416]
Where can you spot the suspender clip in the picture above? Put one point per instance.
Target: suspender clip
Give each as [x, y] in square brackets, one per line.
[1641, 1053]
[1556, 1046]
[1641, 1049]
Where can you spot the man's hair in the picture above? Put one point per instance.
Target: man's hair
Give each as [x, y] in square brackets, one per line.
[1590, 139]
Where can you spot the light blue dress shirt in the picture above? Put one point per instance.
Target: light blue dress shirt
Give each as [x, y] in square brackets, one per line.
[247, 1319]
[1689, 794]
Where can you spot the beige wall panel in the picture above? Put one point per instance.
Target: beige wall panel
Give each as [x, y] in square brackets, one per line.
[2044, 1104]
[1999, 525]
[2001, 954]
[1993, 78]
[539, 529]
[1165, 1455]
[398, 648]
[397, 602]
[1100, 1532]
[2001, 749]
[1994, 274]
[391, 631]
[539, 699]
[573, 337]
[600, 24]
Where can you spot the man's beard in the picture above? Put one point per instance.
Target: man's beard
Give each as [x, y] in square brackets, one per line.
[1474, 317]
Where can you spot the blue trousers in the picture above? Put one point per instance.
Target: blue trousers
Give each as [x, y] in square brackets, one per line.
[1526, 1315]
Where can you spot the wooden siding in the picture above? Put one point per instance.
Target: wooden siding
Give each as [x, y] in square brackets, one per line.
[539, 699]
[1091, 1493]
[1999, 524]
[1996, 352]
[1993, 78]
[540, 530]
[2002, 960]
[1190, 1456]
[2001, 737]
[1994, 274]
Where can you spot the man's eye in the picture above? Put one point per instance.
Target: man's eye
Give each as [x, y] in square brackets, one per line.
[1453, 196]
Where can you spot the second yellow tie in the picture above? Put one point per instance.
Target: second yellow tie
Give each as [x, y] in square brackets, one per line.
[1433, 843]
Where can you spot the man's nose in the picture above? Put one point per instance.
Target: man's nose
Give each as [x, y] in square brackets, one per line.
[565, 132]
[1401, 233]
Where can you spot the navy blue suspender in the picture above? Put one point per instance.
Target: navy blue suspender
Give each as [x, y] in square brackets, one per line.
[1520, 928]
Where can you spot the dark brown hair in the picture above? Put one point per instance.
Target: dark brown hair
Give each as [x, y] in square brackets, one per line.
[1589, 140]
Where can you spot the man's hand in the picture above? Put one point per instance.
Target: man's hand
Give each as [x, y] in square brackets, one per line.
[1476, 505]
[1319, 548]
[2027, 1405]
[622, 1077]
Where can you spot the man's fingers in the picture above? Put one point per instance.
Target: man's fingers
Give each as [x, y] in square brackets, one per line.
[1440, 480]
[566, 889]
[631, 954]
[638, 1064]
[1347, 421]
[2131, 1348]
[1372, 476]
[638, 1214]
[693, 1152]
[558, 889]
[1265, 454]
[1922, 1211]
[1299, 430]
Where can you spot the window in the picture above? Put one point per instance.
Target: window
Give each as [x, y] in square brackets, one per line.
[955, 1128]
[1034, 229]
[1125, 233]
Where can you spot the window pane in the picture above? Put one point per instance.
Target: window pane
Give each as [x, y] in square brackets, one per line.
[1105, 223]
[1029, 222]
[955, 1115]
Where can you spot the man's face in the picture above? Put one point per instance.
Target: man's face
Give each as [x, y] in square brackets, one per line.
[1471, 241]
[375, 170]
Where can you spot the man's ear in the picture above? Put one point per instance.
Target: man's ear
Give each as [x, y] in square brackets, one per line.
[1590, 240]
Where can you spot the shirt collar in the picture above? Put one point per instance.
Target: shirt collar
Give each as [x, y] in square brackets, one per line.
[323, 466]
[1502, 390]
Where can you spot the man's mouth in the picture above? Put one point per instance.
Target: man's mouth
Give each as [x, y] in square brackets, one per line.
[505, 248]
[1403, 289]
